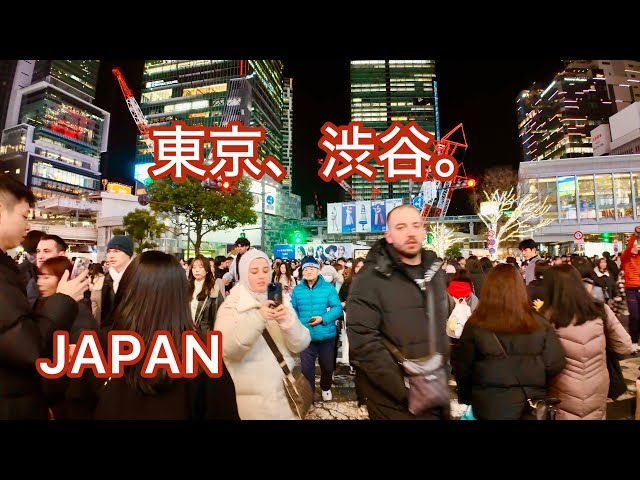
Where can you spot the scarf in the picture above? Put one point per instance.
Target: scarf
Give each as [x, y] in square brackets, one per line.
[117, 277]
[599, 273]
[243, 272]
[459, 289]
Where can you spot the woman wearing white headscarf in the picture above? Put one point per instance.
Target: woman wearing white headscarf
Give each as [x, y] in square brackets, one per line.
[241, 319]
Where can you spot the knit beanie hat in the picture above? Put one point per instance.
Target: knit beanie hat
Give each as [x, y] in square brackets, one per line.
[122, 243]
[309, 262]
[459, 289]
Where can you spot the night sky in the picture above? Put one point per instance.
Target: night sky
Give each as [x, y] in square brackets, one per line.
[479, 93]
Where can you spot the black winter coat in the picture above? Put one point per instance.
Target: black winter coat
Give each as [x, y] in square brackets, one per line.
[489, 382]
[199, 398]
[25, 336]
[384, 301]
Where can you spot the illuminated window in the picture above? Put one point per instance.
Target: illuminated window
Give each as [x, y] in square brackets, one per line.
[548, 190]
[156, 95]
[587, 197]
[567, 197]
[220, 87]
[604, 190]
[624, 205]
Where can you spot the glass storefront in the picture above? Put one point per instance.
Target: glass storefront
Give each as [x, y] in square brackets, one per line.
[604, 191]
[567, 197]
[624, 203]
[586, 192]
[548, 189]
[607, 196]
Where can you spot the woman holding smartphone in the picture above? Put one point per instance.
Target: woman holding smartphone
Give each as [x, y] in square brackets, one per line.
[242, 319]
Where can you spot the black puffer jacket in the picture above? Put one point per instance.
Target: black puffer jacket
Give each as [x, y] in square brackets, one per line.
[384, 301]
[489, 381]
[25, 336]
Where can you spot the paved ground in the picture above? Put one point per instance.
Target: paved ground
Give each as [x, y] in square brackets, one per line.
[343, 406]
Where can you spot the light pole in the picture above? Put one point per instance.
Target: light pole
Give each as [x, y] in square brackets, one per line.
[262, 221]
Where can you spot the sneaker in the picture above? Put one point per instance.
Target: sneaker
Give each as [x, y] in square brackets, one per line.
[326, 395]
[363, 413]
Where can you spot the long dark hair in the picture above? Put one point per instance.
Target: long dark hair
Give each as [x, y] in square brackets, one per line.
[288, 274]
[504, 304]
[209, 280]
[153, 295]
[353, 273]
[565, 298]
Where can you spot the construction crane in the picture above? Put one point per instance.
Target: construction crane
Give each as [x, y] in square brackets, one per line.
[134, 108]
[437, 195]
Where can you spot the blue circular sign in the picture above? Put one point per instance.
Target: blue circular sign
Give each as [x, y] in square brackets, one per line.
[491, 242]
[418, 202]
[270, 199]
[492, 250]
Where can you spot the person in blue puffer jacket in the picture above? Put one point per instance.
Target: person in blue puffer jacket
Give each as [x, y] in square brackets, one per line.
[318, 307]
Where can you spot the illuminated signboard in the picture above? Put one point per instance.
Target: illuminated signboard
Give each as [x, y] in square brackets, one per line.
[141, 174]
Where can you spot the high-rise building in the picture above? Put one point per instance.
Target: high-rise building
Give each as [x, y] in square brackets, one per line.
[197, 92]
[555, 120]
[7, 75]
[287, 133]
[53, 134]
[387, 91]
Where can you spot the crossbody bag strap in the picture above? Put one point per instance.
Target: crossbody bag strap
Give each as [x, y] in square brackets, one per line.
[526, 397]
[430, 304]
[276, 351]
[394, 351]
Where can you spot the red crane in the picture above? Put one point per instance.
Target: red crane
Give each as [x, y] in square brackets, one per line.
[134, 108]
[437, 207]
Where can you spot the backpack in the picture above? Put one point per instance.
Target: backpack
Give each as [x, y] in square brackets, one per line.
[458, 316]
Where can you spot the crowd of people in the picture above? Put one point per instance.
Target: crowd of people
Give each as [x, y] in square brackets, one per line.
[506, 331]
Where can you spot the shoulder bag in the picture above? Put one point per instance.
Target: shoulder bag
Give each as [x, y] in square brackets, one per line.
[535, 408]
[296, 385]
[425, 377]
[617, 383]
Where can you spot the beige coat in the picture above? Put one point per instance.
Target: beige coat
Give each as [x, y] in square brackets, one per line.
[255, 371]
[583, 384]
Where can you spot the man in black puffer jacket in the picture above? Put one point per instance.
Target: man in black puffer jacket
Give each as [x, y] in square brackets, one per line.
[386, 301]
[26, 335]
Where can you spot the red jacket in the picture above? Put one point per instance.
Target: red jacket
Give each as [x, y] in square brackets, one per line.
[631, 265]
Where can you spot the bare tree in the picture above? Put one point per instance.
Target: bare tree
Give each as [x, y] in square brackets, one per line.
[495, 178]
[527, 217]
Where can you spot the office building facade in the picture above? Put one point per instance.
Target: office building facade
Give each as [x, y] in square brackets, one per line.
[555, 120]
[53, 134]
[387, 91]
[211, 93]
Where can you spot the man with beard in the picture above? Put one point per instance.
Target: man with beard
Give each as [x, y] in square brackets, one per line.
[387, 301]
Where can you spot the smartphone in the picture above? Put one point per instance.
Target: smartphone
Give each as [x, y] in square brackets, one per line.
[80, 265]
[274, 292]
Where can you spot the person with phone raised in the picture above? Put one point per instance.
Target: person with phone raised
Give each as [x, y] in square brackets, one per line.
[26, 334]
[242, 319]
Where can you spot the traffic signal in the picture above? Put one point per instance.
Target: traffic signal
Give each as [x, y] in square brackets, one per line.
[471, 183]
[606, 237]
[218, 184]
[297, 238]
[243, 235]
[429, 237]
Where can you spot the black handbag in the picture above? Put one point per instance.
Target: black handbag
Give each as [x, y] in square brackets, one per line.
[296, 385]
[425, 377]
[543, 408]
[617, 383]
